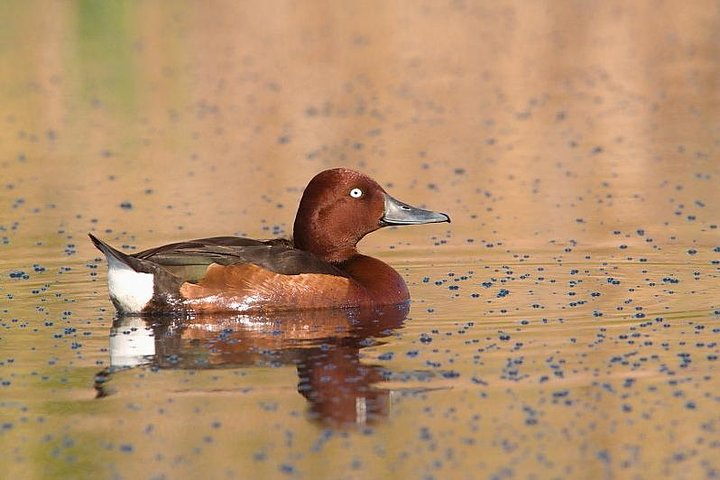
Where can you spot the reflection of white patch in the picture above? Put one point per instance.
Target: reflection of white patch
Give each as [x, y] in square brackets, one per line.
[130, 290]
[360, 410]
[131, 343]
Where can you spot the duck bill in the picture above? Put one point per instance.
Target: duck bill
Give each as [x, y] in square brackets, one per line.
[399, 213]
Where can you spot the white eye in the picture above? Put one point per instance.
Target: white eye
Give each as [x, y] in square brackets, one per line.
[356, 193]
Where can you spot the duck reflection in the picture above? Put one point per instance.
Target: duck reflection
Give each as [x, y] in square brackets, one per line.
[324, 345]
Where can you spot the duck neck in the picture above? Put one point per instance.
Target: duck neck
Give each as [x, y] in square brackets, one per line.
[340, 255]
[321, 245]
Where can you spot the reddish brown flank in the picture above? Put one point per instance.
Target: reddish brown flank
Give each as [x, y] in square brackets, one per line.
[247, 287]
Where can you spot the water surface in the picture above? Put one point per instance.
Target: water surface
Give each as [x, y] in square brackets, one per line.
[565, 325]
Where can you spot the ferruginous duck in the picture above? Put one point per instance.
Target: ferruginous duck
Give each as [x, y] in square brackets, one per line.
[319, 268]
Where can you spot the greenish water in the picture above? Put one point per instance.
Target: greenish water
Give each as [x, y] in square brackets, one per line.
[565, 325]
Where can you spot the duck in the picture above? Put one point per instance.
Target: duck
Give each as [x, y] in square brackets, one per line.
[319, 267]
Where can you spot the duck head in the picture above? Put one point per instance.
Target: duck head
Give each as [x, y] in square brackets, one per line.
[340, 206]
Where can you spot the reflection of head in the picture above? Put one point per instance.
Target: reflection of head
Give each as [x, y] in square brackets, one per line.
[340, 388]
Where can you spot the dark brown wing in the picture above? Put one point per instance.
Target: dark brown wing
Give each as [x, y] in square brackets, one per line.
[190, 260]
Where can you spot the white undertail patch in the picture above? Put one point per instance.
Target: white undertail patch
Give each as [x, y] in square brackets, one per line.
[129, 290]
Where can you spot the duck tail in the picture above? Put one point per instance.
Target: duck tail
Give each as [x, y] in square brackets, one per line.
[113, 253]
[131, 281]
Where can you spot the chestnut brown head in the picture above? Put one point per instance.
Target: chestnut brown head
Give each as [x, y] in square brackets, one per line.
[340, 206]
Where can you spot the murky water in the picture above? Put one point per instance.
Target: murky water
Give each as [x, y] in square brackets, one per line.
[565, 325]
